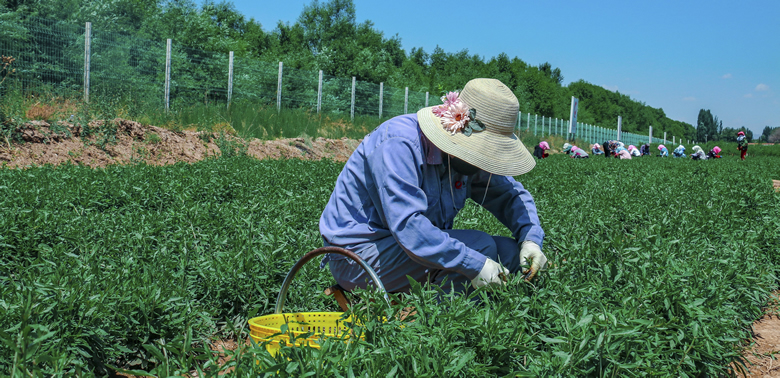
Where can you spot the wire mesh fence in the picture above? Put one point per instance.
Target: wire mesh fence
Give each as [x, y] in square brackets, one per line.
[54, 56]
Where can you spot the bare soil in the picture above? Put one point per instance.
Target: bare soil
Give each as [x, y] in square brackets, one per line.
[762, 354]
[135, 143]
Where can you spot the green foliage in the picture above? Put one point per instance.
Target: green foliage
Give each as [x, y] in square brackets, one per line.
[130, 61]
[230, 146]
[142, 267]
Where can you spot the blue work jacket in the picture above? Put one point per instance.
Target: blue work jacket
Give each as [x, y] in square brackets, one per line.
[396, 185]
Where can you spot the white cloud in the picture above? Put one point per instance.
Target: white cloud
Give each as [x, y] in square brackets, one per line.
[689, 98]
[726, 76]
[762, 87]
[749, 95]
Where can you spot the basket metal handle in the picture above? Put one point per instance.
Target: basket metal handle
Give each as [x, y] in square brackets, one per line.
[321, 251]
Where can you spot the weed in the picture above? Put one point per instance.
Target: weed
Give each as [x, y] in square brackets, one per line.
[153, 138]
[43, 112]
[230, 146]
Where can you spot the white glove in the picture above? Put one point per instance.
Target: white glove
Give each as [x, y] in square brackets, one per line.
[492, 274]
[531, 251]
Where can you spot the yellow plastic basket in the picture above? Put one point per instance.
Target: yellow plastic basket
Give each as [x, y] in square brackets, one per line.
[318, 325]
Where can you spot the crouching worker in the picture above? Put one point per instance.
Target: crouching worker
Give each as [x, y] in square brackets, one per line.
[714, 153]
[596, 149]
[395, 201]
[540, 151]
[698, 153]
[574, 151]
[662, 151]
[679, 152]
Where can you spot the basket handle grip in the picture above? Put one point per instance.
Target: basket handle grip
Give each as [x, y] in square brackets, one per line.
[321, 251]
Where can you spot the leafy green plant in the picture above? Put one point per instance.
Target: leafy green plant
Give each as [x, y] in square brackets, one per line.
[657, 267]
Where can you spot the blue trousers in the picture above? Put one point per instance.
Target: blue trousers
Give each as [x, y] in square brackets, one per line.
[392, 264]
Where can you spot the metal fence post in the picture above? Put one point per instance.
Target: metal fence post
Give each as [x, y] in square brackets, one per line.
[87, 54]
[406, 99]
[168, 76]
[536, 117]
[519, 120]
[664, 137]
[230, 79]
[381, 97]
[543, 126]
[279, 89]
[319, 93]
[650, 135]
[528, 124]
[426, 99]
[352, 106]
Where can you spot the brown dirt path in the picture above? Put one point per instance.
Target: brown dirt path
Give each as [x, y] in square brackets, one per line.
[136, 143]
[762, 355]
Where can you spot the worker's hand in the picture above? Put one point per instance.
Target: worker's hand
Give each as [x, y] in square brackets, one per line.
[492, 274]
[531, 252]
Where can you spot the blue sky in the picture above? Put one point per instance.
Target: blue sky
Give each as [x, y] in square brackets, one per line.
[681, 56]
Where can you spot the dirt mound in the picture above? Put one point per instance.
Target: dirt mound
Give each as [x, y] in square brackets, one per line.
[121, 141]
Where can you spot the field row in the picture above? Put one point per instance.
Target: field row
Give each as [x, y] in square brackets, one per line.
[658, 267]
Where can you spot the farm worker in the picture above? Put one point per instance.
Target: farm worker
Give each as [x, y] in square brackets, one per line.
[663, 152]
[645, 149]
[608, 150]
[698, 153]
[540, 151]
[574, 151]
[742, 144]
[634, 151]
[679, 151]
[714, 153]
[395, 201]
[596, 149]
[624, 154]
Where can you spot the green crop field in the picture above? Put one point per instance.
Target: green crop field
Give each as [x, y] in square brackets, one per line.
[657, 267]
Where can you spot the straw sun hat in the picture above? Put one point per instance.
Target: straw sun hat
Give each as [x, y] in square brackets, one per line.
[495, 149]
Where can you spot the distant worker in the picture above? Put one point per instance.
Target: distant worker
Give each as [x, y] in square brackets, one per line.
[662, 151]
[608, 150]
[742, 144]
[623, 154]
[596, 149]
[634, 151]
[645, 149]
[619, 149]
[679, 152]
[540, 151]
[574, 151]
[698, 153]
[714, 153]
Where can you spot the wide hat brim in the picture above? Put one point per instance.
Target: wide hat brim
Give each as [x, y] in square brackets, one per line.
[496, 153]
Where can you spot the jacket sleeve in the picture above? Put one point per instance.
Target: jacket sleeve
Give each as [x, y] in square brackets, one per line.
[396, 170]
[511, 204]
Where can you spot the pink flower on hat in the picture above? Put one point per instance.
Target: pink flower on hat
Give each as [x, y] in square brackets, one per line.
[456, 117]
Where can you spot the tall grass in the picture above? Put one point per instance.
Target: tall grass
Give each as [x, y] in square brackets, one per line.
[248, 119]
